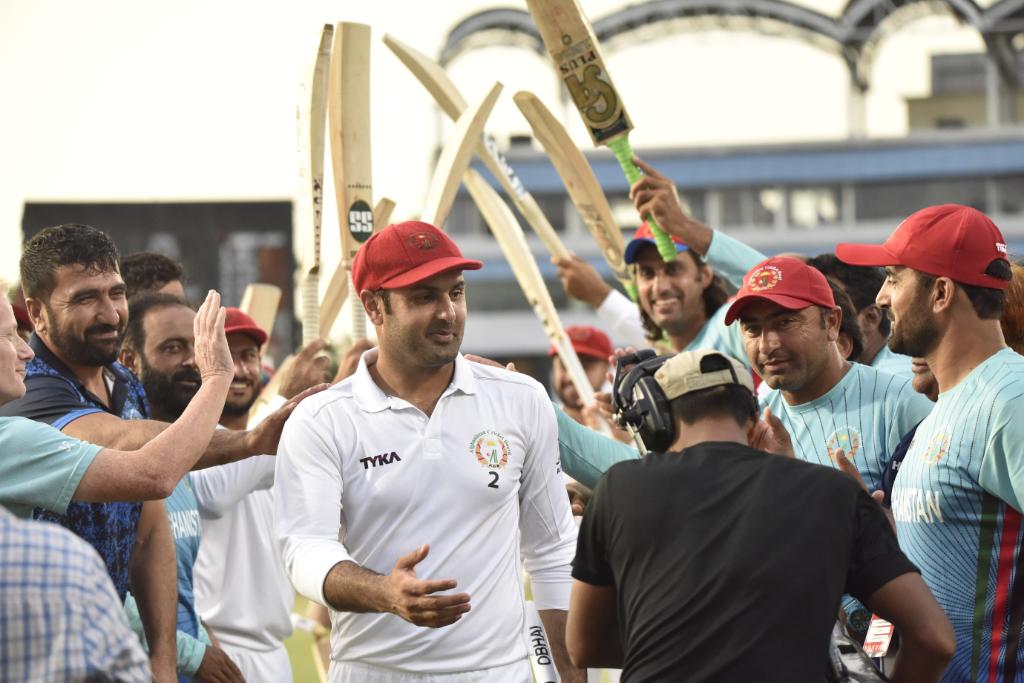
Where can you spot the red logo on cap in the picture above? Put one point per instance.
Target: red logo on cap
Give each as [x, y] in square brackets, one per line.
[764, 278]
[421, 241]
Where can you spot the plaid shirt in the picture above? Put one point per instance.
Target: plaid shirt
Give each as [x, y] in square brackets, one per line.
[60, 619]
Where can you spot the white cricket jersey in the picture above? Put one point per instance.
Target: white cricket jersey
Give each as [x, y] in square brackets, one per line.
[472, 479]
[241, 589]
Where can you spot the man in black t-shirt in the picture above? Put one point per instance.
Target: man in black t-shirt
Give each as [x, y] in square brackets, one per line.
[717, 562]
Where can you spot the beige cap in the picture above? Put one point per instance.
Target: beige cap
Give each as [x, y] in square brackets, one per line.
[682, 373]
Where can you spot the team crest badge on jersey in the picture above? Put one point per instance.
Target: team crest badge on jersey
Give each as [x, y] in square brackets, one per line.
[764, 278]
[491, 449]
[845, 439]
[937, 446]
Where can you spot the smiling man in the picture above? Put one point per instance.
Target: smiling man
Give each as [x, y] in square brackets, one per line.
[422, 447]
[790, 325]
[76, 298]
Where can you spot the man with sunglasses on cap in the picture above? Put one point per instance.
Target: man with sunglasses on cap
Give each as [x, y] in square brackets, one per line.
[958, 498]
[742, 584]
[680, 303]
[430, 466]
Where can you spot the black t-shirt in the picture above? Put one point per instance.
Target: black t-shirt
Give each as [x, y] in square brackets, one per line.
[729, 563]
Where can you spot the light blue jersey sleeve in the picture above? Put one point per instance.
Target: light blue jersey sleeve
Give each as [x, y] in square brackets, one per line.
[1002, 468]
[731, 258]
[40, 466]
[907, 409]
[190, 650]
[586, 455]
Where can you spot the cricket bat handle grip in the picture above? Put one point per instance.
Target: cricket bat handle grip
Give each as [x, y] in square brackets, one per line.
[623, 152]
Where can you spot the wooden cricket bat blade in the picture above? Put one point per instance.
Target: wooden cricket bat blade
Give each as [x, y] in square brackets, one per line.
[455, 158]
[382, 212]
[513, 244]
[431, 75]
[580, 182]
[260, 301]
[334, 298]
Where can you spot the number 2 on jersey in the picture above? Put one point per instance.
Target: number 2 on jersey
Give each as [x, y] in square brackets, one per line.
[494, 480]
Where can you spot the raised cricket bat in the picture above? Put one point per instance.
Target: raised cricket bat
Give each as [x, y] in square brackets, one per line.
[312, 122]
[571, 43]
[448, 97]
[260, 302]
[337, 287]
[513, 244]
[455, 158]
[349, 117]
[581, 183]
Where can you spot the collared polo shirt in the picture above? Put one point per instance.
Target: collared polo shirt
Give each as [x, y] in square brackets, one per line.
[469, 479]
[55, 396]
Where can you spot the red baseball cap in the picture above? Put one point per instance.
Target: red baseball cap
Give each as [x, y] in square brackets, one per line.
[239, 322]
[948, 240]
[588, 341]
[642, 236]
[785, 281]
[403, 254]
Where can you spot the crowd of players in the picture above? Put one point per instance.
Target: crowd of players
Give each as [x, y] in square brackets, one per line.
[828, 440]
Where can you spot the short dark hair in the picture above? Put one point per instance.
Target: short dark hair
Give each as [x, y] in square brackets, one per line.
[70, 244]
[849, 325]
[862, 283]
[147, 271]
[135, 332]
[715, 295]
[729, 400]
[988, 303]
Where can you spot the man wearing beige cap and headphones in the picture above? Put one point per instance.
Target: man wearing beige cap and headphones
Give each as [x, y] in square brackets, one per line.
[726, 563]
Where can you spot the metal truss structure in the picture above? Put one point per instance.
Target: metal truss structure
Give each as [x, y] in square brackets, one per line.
[854, 35]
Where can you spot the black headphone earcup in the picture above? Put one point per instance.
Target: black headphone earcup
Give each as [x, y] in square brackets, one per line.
[655, 415]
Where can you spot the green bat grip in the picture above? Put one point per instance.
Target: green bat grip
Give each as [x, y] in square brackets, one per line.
[623, 152]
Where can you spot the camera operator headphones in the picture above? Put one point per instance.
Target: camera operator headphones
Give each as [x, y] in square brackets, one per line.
[638, 399]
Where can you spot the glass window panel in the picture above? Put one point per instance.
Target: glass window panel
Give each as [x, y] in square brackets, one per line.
[746, 207]
[1011, 194]
[810, 207]
[876, 201]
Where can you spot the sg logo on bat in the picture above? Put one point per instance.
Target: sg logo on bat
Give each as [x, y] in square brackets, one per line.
[360, 221]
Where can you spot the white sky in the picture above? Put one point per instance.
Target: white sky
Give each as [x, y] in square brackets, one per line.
[114, 100]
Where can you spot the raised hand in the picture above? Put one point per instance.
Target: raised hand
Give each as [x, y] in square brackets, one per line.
[307, 369]
[264, 437]
[581, 280]
[350, 359]
[413, 599]
[770, 435]
[655, 195]
[213, 357]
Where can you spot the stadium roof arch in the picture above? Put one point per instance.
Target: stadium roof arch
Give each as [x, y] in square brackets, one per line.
[854, 34]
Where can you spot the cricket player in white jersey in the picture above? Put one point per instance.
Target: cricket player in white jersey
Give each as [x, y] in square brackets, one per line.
[437, 473]
[959, 494]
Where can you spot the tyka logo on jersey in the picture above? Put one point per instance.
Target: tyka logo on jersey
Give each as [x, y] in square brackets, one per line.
[382, 459]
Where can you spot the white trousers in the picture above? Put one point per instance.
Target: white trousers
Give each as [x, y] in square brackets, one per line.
[356, 672]
[261, 666]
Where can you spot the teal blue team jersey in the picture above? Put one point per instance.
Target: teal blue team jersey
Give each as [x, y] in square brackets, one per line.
[865, 415]
[957, 503]
[895, 363]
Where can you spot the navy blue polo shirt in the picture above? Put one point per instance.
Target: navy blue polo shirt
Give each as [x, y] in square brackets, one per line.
[55, 396]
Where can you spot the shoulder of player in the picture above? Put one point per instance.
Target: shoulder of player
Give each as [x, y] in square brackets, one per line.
[340, 395]
[501, 379]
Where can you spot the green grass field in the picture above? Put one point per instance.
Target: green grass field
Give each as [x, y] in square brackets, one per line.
[300, 650]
